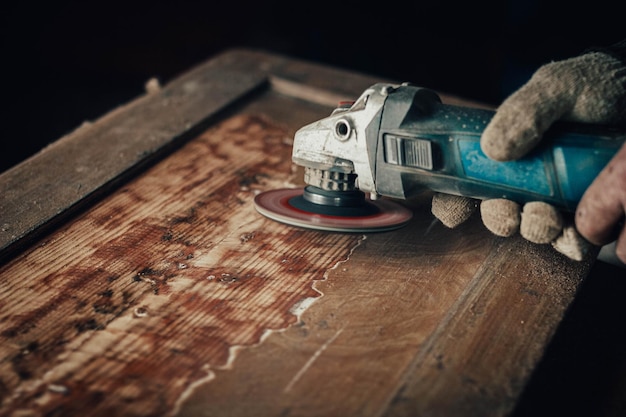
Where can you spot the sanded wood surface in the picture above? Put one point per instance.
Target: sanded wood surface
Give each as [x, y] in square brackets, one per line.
[170, 295]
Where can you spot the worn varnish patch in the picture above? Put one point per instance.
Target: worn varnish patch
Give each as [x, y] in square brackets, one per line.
[137, 299]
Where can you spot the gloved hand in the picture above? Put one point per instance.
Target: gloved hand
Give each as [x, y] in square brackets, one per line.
[590, 88]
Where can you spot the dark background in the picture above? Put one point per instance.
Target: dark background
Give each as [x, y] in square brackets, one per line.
[66, 62]
[62, 63]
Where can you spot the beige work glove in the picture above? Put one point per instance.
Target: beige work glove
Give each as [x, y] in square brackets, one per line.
[590, 88]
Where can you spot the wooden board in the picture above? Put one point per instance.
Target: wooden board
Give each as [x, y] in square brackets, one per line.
[145, 283]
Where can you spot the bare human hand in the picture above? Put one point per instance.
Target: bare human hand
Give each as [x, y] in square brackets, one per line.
[601, 212]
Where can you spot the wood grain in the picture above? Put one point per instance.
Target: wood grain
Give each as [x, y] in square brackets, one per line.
[167, 294]
[53, 185]
[422, 322]
[146, 293]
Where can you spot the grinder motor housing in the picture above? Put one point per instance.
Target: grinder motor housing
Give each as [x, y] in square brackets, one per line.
[397, 140]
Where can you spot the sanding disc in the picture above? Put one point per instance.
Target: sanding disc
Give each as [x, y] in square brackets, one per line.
[278, 205]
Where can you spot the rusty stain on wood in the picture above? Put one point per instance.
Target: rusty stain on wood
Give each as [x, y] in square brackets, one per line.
[146, 293]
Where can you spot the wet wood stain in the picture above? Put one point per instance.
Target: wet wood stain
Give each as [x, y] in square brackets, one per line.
[141, 296]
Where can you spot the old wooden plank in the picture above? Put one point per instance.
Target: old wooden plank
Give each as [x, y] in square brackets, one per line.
[121, 310]
[483, 352]
[419, 322]
[349, 353]
[48, 188]
[173, 296]
[75, 167]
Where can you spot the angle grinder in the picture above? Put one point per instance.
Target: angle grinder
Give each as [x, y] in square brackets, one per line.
[398, 139]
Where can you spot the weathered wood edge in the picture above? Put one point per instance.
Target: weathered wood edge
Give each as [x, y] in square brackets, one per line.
[81, 167]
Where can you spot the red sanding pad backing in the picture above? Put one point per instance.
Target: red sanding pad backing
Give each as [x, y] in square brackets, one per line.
[275, 204]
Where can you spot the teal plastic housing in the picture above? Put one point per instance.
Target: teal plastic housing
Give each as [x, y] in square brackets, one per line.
[422, 143]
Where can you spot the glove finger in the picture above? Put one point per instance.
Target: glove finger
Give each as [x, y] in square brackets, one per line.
[500, 216]
[541, 222]
[452, 210]
[571, 244]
